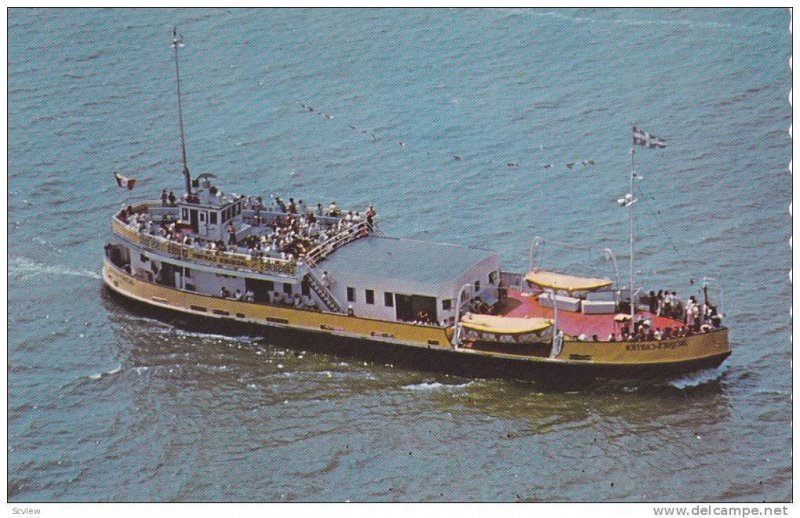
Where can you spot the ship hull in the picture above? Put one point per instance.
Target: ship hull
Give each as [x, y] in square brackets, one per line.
[418, 347]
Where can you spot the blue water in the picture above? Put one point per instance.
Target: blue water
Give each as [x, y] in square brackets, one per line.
[106, 406]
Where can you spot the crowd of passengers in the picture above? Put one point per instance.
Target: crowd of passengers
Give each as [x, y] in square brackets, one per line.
[696, 317]
[277, 298]
[295, 231]
[693, 314]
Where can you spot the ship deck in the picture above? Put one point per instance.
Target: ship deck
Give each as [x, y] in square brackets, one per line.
[575, 323]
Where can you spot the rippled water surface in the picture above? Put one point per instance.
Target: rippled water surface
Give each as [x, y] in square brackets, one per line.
[106, 405]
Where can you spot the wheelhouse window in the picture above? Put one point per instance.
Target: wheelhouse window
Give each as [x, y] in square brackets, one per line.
[370, 296]
[477, 286]
[287, 288]
[213, 218]
[447, 304]
[388, 299]
[351, 294]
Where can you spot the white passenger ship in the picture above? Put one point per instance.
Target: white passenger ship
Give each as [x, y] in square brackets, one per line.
[326, 276]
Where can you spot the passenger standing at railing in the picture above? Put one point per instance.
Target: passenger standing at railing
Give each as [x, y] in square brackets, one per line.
[691, 309]
[667, 312]
[231, 234]
[652, 302]
[370, 216]
[677, 306]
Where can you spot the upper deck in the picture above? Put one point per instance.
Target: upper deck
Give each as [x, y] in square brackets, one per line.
[259, 239]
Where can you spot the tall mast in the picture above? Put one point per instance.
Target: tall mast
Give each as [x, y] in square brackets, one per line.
[630, 218]
[175, 44]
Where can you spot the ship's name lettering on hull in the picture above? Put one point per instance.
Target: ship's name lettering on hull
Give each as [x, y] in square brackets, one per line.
[653, 346]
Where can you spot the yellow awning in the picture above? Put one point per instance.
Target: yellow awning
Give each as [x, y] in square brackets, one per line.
[560, 281]
[505, 325]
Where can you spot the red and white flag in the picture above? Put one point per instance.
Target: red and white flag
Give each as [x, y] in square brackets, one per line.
[124, 181]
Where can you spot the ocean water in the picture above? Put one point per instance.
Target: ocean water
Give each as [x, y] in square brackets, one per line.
[105, 405]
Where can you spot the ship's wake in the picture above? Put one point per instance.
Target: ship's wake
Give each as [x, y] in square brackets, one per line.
[23, 267]
[697, 378]
[426, 386]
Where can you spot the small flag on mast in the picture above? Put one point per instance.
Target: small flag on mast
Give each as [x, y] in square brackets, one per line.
[642, 138]
[124, 181]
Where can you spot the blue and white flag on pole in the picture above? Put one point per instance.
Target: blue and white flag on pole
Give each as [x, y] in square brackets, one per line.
[642, 138]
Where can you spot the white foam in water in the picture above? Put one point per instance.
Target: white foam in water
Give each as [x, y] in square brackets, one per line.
[435, 385]
[195, 334]
[98, 375]
[24, 266]
[697, 378]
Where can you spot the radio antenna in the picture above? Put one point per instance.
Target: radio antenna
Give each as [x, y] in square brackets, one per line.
[176, 42]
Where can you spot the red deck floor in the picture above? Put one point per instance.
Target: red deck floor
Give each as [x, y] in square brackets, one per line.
[574, 324]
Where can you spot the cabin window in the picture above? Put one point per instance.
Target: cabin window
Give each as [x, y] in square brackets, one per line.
[370, 296]
[351, 294]
[185, 214]
[447, 304]
[213, 218]
[287, 288]
[388, 299]
[477, 286]
[202, 217]
[492, 277]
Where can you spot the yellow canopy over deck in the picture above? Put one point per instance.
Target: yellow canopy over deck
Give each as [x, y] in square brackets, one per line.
[505, 325]
[561, 281]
